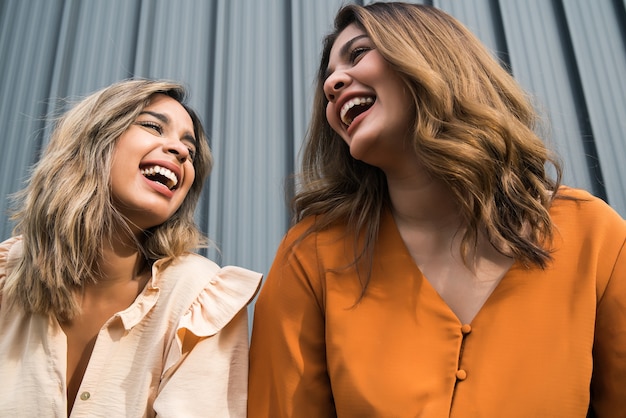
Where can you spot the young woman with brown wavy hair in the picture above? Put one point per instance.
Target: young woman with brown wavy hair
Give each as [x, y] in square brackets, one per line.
[435, 269]
[105, 310]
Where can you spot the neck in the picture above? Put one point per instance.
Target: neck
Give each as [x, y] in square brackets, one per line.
[422, 201]
[426, 216]
[122, 264]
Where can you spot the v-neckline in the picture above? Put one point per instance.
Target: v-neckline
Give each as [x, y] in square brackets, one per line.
[388, 217]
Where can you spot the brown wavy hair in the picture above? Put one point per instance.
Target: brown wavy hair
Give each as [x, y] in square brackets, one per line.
[474, 129]
[65, 212]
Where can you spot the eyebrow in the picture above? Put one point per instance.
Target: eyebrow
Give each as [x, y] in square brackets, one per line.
[166, 120]
[344, 50]
[160, 116]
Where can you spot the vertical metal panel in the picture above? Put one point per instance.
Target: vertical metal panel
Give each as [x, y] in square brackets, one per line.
[310, 23]
[28, 38]
[250, 66]
[250, 120]
[176, 40]
[480, 17]
[96, 46]
[600, 51]
[539, 62]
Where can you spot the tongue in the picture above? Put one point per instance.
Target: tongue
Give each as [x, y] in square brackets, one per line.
[357, 110]
[158, 178]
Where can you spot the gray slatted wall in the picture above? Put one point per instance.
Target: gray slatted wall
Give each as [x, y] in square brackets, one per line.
[250, 66]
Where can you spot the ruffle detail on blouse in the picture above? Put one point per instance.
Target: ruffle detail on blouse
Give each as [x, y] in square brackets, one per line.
[229, 291]
[9, 252]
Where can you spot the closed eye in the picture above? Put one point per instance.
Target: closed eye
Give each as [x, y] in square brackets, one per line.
[191, 144]
[152, 125]
[356, 53]
[192, 154]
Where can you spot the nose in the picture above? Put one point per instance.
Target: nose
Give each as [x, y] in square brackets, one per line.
[177, 148]
[336, 82]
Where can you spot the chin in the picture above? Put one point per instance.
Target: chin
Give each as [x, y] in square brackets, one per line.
[360, 151]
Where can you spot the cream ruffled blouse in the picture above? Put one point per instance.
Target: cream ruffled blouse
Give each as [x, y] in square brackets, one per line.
[180, 350]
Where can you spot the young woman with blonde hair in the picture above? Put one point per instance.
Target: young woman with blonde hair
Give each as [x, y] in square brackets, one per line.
[105, 310]
[435, 269]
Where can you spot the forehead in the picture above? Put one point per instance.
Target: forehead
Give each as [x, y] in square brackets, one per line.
[171, 108]
[345, 36]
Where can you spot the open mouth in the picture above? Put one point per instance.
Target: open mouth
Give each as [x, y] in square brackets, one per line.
[354, 107]
[161, 175]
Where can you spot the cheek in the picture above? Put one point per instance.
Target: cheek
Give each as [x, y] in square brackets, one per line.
[333, 121]
[118, 173]
[190, 176]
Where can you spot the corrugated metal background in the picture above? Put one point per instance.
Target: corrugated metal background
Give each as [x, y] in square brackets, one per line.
[250, 66]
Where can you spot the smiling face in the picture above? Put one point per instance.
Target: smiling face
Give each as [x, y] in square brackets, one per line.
[152, 168]
[368, 103]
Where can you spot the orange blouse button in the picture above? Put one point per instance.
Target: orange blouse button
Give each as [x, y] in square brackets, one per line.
[466, 329]
[461, 374]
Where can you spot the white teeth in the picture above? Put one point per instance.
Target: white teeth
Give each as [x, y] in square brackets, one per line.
[357, 101]
[165, 172]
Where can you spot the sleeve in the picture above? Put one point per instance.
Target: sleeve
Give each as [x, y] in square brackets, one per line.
[608, 388]
[206, 370]
[5, 251]
[288, 373]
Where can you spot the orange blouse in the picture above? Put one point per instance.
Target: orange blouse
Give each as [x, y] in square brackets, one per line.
[540, 341]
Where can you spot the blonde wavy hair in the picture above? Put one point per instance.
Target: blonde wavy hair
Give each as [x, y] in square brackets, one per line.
[65, 212]
[474, 129]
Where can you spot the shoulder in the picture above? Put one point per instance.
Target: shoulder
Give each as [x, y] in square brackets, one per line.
[316, 248]
[10, 252]
[308, 233]
[190, 264]
[210, 295]
[585, 213]
[588, 230]
[194, 272]
[309, 242]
